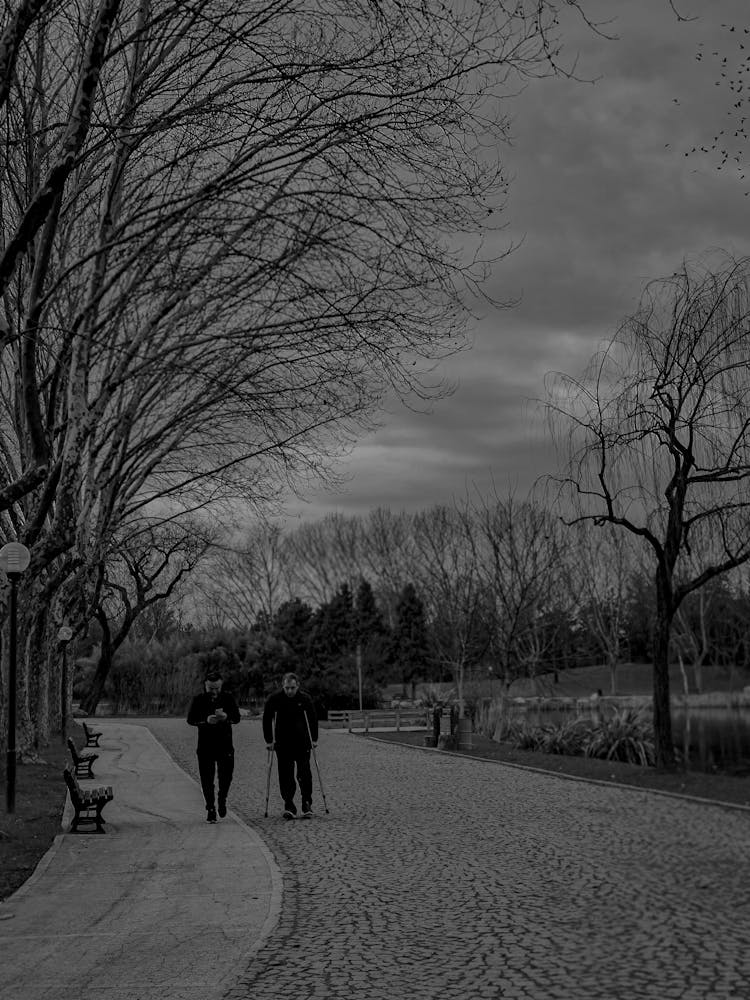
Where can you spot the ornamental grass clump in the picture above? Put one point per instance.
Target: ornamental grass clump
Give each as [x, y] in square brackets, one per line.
[569, 738]
[564, 738]
[523, 736]
[625, 736]
[493, 720]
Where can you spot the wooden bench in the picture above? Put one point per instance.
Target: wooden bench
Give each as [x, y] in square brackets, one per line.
[82, 762]
[87, 802]
[92, 738]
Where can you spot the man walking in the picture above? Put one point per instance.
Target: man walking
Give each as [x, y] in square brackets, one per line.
[214, 712]
[290, 727]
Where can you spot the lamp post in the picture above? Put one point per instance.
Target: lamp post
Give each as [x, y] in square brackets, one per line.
[64, 636]
[359, 672]
[14, 560]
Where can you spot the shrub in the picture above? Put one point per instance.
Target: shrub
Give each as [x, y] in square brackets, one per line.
[524, 736]
[625, 736]
[437, 694]
[569, 738]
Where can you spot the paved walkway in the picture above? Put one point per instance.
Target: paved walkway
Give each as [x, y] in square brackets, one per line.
[432, 875]
[438, 876]
[163, 905]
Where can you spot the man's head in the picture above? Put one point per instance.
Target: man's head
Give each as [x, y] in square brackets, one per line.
[290, 685]
[212, 683]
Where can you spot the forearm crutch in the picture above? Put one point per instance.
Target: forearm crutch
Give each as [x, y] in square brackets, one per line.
[270, 765]
[315, 758]
[268, 781]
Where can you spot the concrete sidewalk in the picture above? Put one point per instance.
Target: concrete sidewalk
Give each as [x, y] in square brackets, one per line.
[164, 905]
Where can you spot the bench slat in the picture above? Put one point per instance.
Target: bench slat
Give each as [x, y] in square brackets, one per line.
[88, 803]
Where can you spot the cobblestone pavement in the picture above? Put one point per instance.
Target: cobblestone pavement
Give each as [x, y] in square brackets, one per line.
[440, 876]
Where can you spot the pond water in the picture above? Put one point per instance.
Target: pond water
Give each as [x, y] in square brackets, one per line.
[711, 739]
[714, 739]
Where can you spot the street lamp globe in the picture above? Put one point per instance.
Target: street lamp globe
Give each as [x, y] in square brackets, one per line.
[14, 558]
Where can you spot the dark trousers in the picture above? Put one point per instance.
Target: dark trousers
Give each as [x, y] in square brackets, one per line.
[221, 763]
[288, 760]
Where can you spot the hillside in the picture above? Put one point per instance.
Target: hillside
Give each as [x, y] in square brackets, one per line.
[632, 679]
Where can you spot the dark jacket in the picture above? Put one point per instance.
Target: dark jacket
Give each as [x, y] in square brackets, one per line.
[284, 721]
[218, 735]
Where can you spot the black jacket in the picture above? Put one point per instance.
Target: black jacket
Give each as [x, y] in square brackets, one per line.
[284, 721]
[218, 735]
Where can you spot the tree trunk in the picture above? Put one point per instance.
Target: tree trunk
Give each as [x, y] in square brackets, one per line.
[683, 672]
[39, 653]
[662, 709]
[613, 675]
[90, 700]
[698, 674]
[25, 729]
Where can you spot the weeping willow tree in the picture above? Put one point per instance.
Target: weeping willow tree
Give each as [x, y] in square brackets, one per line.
[656, 441]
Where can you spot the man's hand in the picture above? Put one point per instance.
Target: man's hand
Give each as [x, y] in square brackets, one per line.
[269, 746]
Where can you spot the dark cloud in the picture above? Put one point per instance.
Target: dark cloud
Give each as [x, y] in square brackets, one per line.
[604, 199]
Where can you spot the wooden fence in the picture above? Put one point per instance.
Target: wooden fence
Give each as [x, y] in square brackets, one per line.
[393, 718]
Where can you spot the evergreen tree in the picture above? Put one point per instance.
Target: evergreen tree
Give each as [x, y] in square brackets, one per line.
[333, 632]
[372, 639]
[293, 623]
[332, 678]
[410, 645]
[368, 619]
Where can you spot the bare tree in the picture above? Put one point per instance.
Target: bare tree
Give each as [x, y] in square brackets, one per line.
[321, 556]
[227, 231]
[520, 560]
[387, 556]
[144, 570]
[445, 574]
[657, 441]
[242, 583]
[599, 570]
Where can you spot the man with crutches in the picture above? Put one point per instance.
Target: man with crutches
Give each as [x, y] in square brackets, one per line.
[290, 728]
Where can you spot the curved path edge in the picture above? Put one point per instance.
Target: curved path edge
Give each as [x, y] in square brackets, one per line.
[567, 777]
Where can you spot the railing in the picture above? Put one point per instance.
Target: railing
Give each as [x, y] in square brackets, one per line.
[393, 718]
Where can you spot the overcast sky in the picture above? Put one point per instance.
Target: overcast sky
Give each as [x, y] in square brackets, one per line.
[603, 200]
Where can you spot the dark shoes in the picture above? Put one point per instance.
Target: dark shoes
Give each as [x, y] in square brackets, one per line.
[290, 810]
[307, 810]
[211, 811]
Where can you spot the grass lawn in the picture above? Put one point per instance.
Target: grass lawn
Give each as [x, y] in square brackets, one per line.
[632, 679]
[27, 833]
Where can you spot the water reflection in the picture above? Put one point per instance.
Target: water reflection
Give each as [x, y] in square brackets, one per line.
[710, 739]
[714, 739]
